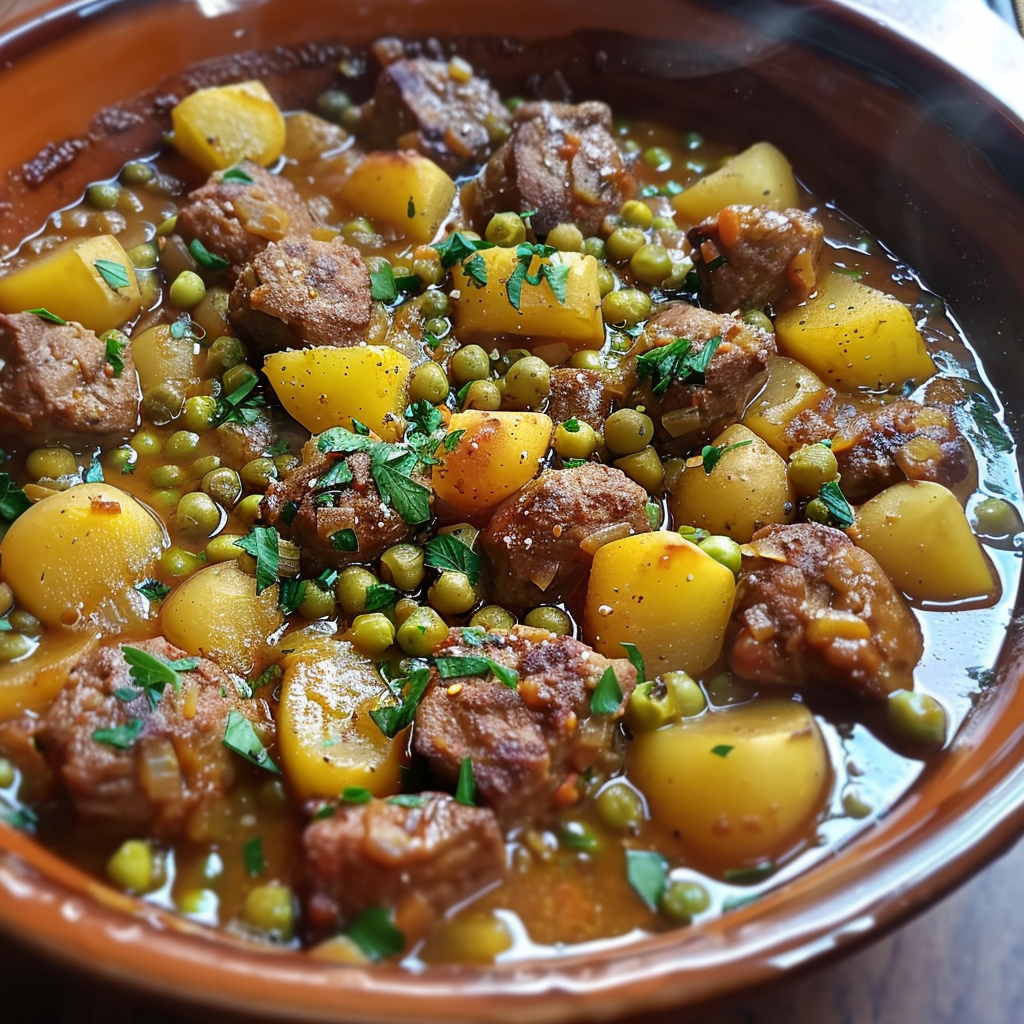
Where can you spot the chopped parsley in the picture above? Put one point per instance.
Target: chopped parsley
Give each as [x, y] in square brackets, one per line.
[446, 551]
[722, 750]
[409, 800]
[113, 273]
[386, 288]
[607, 696]
[476, 665]
[424, 417]
[115, 342]
[240, 736]
[636, 659]
[120, 737]
[840, 514]
[356, 795]
[380, 596]
[344, 540]
[457, 248]
[748, 876]
[675, 361]
[376, 934]
[236, 174]
[393, 719]
[262, 544]
[13, 500]
[151, 674]
[410, 208]
[45, 314]
[206, 259]
[711, 453]
[465, 789]
[252, 856]
[291, 594]
[647, 873]
[555, 272]
[242, 405]
[572, 426]
[22, 818]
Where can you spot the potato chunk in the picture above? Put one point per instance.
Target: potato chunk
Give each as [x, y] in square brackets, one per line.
[790, 389]
[88, 280]
[328, 739]
[852, 335]
[404, 190]
[738, 784]
[663, 594]
[326, 387]
[30, 683]
[218, 127]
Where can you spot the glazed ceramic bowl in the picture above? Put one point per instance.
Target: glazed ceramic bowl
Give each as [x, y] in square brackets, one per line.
[908, 144]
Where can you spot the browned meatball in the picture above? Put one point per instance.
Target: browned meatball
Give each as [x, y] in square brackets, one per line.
[585, 395]
[312, 513]
[561, 162]
[529, 743]
[879, 446]
[300, 293]
[425, 852]
[813, 608]
[56, 385]
[702, 409]
[237, 218]
[177, 764]
[749, 257]
[533, 541]
[418, 103]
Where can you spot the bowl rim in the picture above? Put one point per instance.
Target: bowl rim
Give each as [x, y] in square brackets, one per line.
[39, 893]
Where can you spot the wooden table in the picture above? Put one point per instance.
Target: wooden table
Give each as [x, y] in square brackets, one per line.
[962, 962]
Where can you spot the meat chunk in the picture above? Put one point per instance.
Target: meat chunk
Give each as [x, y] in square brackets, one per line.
[748, 257]
[812, 608]
[585, 395]
[300, 293]
[877, 446]
[533, 541]
[528, 743]
[562, 162]
[420, 104]
[56, 385]
[427, 853]
[170, 765]
[238, 218]
[692, 413]
[312, 513]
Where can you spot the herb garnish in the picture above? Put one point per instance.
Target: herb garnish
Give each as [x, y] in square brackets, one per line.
[13, 500]
[262, 544]
[607, 695]
[840, 514]
[476, 665]
[457, 248]
[647, 873]
[555, 272]
[115, 343]
[151, 674]
[376, 934]
[636, 659]
[572, 425]
[380, 596]
[22, 818]
[446, 551]
[465, 789]
[722, 750]
[408, 800]
[252, 855]
[113, 273]
[206, 259]
[386, 288]
[356, 795]
[676, 361]
[153, 589]
[120, 737]
[291, 594]
[241, 406]
[44, 314]
[236, 174]
[393, 719]
[711, 453]
[424, 417]
[240, 736]
[344, 540]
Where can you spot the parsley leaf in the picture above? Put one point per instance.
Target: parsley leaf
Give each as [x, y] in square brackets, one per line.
[120, 737]
[13, 500]
[840, 514]
[93, 472]
[457, 248]
[722, 750]
[675, 362]
[376, 934]
[115, 342]
[711, 453]
[252, 855]
[408, 800]
[465, 789]
[292, 593]
[152, 674]
[241, 406]
[45, 314]
[23, 818]
[647, 873]
[344, 540]
[446, 551]
[475, 270]
[555, 272]
[748, 876]
[113, 273]
[262, 544]
[236, 174]
[153, 589]
[607, 695]
[380, 596]
[424, 417]
[476, 665]
[240, 736]
[356, 795]
[206, 259]
[339, 475]
[386, 288]
[393, 719]
[572, 426]
[636, 659]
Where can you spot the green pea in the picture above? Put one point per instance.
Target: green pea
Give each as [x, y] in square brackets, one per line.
[187, 290]
[439, 326]
[225, 352]
[178, 562]
[493, 616]
[257, 474]
[350, 589]
[200, 413]
[577, 835]
[331, 104]
[594, 246]
[402, 565]
[580, 443]
[506, 230]
[657, 157]
[200, 904]
[471, 362]
[163, 402]
[25, 622]
[165, 498]
[358, 230]
[565, 237]
[181, 445]
[199, 516]
[627, 431]
[482, 394]
[223, 548]
[404, 607]
[373, 633]
[421, 633]
[121, 460]
[271, 910]
[684, 693]
[527, 383]
[7, 773]
[14, 646]
[50, 463]
[758, 318]
[811, 467]
[548, 617]
[636, 213]
[434, 303]
[286, 463]
[620, 807]
[132, 867]
[817, 511]
[248, 509]
[917, 717]
[429, 271]
[723, 550]
[223, 485]
[996, 518]
[623, 242]
[137, 172]
[626, 307]
[167, 475]
[452, 593]
[643, 467]
[586, 359]
[429, 383]
[317, 601]
[144, 256]
[649, 708]
[651, 264]
[664, 224]
[606, 280]
[235, 376]
[103, 195]
[682, 901]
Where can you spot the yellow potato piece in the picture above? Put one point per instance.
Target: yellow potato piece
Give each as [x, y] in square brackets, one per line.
[326, 387]
[159, 356]
[30, 683]
[88, 280]
[498, 453]
[406, 190]
[759, 176]
[663, 594]
[738, 784]
[481, 314]
[920, 536]
[747, 489]
[217, 614]
[326, 736]
[74, 558]
[790, 389]
[852, 335]
[218, 127]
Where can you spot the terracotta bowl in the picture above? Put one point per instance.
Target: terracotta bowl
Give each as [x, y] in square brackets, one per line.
[908, 145]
